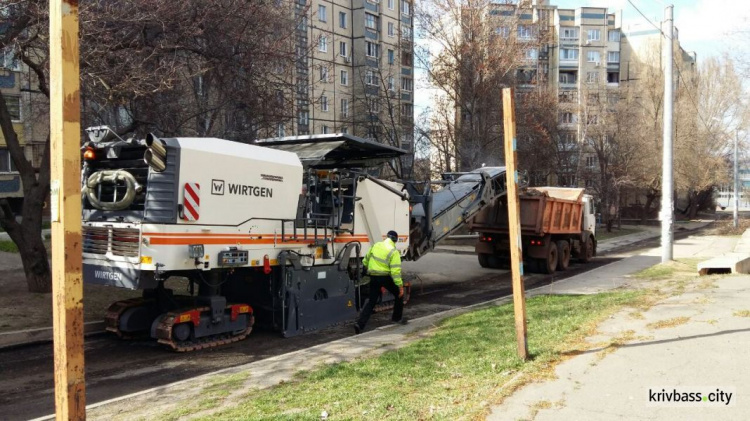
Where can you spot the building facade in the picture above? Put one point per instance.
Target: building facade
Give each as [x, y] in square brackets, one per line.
[355, 70]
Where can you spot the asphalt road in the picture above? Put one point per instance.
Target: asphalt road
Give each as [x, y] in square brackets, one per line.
[115, 367]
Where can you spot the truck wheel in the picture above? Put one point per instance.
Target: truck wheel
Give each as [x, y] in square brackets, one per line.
[563, 254]
[484, 260]
[588, 251]
[549, 264]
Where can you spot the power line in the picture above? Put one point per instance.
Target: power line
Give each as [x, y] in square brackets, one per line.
[649, 20]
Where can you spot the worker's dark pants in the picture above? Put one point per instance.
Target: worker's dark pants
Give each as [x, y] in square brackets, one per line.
[376, 283]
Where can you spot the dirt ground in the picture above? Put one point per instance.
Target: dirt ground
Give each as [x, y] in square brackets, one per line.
[20, 309]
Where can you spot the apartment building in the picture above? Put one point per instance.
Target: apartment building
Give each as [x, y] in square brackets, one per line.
[354, 72]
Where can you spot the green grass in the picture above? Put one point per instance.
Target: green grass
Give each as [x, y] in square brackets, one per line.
[678, 268]
[8, 246]
[455, 373]
[602, 234]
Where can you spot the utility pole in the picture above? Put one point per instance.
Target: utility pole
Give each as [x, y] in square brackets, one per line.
[65, 209]
[736, 183]
[514, 223]
[667, 189]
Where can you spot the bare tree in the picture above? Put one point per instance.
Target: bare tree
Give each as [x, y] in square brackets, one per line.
[474, 48]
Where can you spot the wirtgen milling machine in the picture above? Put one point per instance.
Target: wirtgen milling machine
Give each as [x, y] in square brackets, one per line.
[274, 231]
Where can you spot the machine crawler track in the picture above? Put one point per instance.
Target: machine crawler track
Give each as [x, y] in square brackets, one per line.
[169, 320]
[115, 311]
[385, 305]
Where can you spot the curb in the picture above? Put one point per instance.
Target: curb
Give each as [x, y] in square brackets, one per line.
[44, 334]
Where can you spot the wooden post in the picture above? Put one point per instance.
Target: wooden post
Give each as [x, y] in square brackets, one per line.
[514, 222]
[65, 208]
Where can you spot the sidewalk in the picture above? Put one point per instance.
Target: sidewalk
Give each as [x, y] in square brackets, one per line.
[696, 341]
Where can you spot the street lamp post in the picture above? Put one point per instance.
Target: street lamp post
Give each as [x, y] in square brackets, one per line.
[736, 183]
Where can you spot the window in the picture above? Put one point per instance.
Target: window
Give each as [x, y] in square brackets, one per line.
[406, 8]
[14, 107]
[344, 78]
[342, 48]
[614, 35]
[592, 77]
[324, 73]
[531, 54]
[568, 77]
[342, 20]
[323, 45]
[594, 35]
[407, 111]
[303, 118]
[322, 13]
[391, 29]
[566, 180]
[280, 130]
[371, 49]
[373, 105]
[566, 118]
[324, 129]
[524, 31]
[344, 130]
[613, 57]
[406, 58]
[590, 162]
[391, 4]
[324, 103]
[567, 96]
[569, 33]
[405, 32]
[6, 162]
[370, 78]
[371, 21]
[8, 60]
[613, 77]
[407, 84]
[592, 57]
[391, 83]
[391, 56]
[344, 107]
[502, 31]
[568, 54]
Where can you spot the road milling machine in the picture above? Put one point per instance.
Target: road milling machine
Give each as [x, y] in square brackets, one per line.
[269, 234]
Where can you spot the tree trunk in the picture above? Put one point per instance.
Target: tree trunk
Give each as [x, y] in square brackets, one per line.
[693, 205]
[650, 198]
[36, 264]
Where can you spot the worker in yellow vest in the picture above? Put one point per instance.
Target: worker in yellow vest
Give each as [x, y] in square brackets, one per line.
[383, 263]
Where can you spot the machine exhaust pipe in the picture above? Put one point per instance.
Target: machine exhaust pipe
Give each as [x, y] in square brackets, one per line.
[156, 155]
[154, 161]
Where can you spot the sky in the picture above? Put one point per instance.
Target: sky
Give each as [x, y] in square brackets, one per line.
[708, 27]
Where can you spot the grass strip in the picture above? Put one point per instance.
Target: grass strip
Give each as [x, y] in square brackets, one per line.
[8, 246]
[457, 372]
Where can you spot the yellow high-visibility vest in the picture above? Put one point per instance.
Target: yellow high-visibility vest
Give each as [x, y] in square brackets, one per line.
[383, 259]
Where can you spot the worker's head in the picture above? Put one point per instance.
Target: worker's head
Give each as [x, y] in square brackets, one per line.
[393, 235]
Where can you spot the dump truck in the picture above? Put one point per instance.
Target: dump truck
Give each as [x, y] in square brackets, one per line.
[222, 236]
[557, 225]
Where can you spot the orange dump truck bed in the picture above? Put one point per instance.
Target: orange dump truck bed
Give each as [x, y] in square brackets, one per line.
[544, 210]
